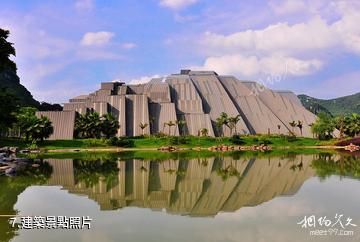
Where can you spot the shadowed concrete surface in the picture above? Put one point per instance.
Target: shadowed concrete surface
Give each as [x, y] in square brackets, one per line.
[196, 97]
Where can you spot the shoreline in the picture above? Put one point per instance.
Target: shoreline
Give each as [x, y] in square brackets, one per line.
[118, 149]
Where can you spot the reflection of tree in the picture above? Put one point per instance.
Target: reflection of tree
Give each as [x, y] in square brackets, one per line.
[228, 172]
[326, 166]
[92, 171]
[12, 187]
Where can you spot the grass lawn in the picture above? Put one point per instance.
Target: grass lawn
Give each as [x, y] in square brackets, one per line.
[184, 142]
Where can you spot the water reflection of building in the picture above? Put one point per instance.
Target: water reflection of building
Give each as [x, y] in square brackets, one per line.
[196, 187]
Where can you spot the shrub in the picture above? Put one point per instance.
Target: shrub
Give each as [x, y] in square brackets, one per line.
[121, 142]
[181, 140]
[290, 138]
[160, 135]
[264, 142]
[95, 142]
[236, 139]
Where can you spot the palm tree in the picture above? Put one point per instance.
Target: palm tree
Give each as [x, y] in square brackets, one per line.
[352, 125]
[293, 125]
[88, 125]
[143, 127]
[340, 125]
[221, 121]
[109, 125]
[170, 124]
[42, 129]
[181, 124]
[232, 122]
[204, 131]
[279, 127]
[300, 126]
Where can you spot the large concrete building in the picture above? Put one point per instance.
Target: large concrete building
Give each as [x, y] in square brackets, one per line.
[197, 97]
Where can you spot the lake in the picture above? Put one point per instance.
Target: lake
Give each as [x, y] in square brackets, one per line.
[185, 197]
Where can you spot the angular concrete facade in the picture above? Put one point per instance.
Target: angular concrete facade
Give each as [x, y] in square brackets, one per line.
[198, 98]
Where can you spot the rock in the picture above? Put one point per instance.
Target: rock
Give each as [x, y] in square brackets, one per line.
[24, 151]
[35, 165]
[4, 149]
[10, 171]
[2, 155]
[13, 149]
[19, 160]
[4, 167]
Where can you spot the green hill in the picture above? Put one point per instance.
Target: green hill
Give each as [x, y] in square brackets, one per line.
[336, 106]
[10, 81]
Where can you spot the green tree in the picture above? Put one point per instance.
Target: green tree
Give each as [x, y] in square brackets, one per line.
[232, 123]
[352, 125]
[324, 126]
[26, 118]
[340, 125]
[204, 132]
[8, 108]
[42, 129]
[109, 125]
[6, 51]
[88, 125]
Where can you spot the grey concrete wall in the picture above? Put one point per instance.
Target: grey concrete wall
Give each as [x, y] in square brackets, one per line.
[73, 106]
[216, 100]
[137, 112]
[198, 97]
[63, 123]
[286, 110]
[117, 108]
[258, 117]
[197, 121]
[161, 113]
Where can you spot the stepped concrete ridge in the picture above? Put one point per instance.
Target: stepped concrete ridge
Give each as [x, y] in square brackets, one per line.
[197, 97]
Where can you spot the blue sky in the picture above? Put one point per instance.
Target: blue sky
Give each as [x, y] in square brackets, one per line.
[67, 47]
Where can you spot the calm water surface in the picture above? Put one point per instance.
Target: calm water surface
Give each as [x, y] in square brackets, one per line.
[186, 198]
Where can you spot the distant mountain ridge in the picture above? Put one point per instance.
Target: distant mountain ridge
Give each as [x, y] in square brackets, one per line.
[341, 105]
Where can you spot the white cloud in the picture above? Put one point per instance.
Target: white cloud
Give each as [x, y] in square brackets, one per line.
[96, 38]
[177, 4]
[254, 66]
[287, 6]
[84, 5]
[281, 48]
[315, 34]
[128, 45]
[144, 79]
